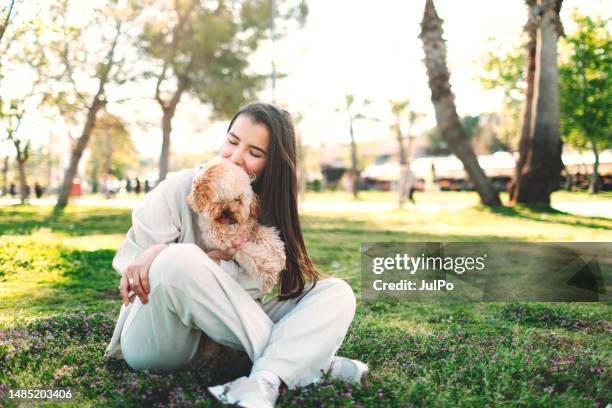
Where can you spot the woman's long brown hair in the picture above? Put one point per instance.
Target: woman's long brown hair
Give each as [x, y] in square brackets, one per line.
[277, 191]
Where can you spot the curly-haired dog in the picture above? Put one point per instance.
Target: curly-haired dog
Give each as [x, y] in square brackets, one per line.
[228, 209]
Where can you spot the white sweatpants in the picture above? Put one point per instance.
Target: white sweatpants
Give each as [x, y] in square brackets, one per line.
[191, 294]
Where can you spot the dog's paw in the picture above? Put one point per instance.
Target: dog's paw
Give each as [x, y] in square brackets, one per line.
[263, 266]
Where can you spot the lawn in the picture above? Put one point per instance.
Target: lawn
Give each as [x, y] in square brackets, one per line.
[58, 303]
[468, 197]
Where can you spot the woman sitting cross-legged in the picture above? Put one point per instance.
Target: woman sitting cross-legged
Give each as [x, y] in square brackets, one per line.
[181, 292]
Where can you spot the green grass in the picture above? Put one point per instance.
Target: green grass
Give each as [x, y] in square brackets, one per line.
[464, 197]
[58, 303]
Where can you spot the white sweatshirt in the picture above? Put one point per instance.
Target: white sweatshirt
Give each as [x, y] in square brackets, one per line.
[165, 217]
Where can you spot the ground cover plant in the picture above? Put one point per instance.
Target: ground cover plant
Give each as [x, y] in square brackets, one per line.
[59, 302]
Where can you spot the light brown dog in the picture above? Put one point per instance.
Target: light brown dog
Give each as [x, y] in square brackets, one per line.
[228, 209]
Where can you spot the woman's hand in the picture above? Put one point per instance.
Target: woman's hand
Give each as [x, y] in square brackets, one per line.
[216, 255]
[136, 275]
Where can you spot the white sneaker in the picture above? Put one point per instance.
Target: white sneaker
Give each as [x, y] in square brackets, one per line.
[345, 369]
[246, 392]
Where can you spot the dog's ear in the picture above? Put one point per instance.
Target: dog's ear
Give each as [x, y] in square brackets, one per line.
[201, 189]
[255, 209]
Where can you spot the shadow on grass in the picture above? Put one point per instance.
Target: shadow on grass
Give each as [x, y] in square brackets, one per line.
[76, 221]
[535, 212]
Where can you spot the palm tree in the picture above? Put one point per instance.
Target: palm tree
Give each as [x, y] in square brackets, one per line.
[541, 172]
[350, 111]
[530, 29]
[398, 108]
[444, 105]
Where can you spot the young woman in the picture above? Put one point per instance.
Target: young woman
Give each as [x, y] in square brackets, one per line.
[181, 291]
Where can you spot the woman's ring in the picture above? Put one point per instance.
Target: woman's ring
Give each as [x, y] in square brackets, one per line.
[131, 281]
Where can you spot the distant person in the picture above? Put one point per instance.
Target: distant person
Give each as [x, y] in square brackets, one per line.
[411, 182]
[430, 179]
[128, 186]
[137, 187]
[110, 194]
[147, 186]
[38, 190]
[13, 190]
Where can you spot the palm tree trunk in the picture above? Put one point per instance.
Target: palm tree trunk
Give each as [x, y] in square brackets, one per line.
[541, 173]
[444, 105]
[523, 148]
[403, 162]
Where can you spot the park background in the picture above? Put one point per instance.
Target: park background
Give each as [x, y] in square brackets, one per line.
[101, 100]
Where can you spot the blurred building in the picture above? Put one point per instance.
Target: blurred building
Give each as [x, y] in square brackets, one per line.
[448, 174]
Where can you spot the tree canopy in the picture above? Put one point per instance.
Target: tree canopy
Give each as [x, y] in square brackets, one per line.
[585, 76]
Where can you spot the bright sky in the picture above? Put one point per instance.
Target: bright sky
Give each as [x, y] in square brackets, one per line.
[370, 49]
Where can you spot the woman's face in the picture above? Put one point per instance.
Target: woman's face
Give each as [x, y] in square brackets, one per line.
[246, 144]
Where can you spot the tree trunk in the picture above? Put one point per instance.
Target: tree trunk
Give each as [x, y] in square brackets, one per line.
[354, 163]
[301, 164]
[444, 105]
[23, 184]
[107, 162]
[77, 152]
[50, 161]
[594, 187]
[523, 148]
[168, 109]
[99, 101]
[164, 156]
[541, 173]
[5, 176]
[94, 179]
[21, 156]
[403, 162]
[6, 19]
